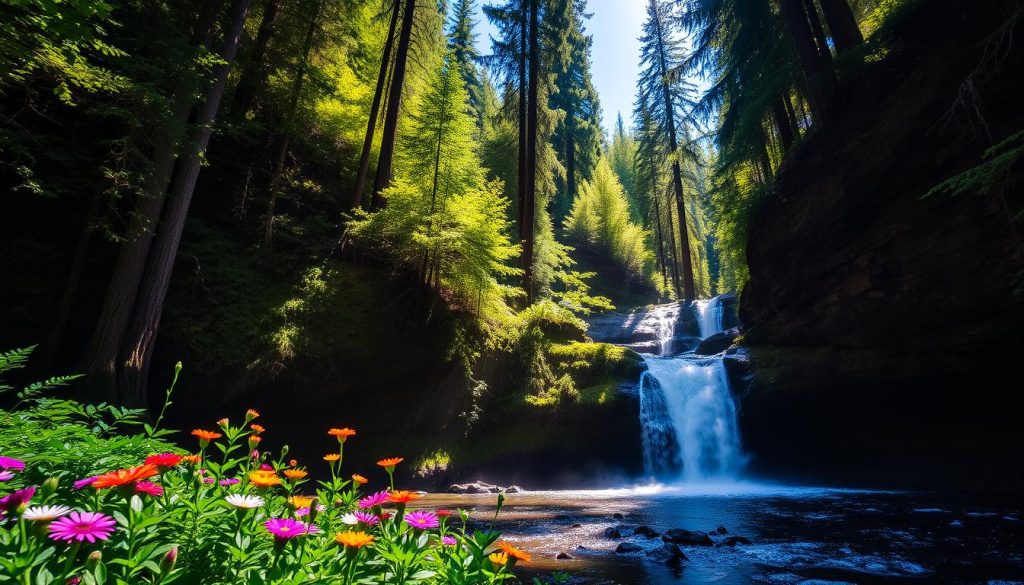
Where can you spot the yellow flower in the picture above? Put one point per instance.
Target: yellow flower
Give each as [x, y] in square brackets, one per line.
[514, 552]
[261, 478]
[301, 501]
[359, 479]
[353, 539]
[294, 473]
[332, 457]
[498, 558]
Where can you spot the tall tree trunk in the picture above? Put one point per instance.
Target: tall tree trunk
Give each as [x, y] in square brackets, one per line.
[293, 106]
[791, 114]
[657, 222]
[137, 349]
[521, 168]
[255, 72]
[782, 124]
[531, 153]
[820, 40]
[677, 172]
[570, 164]
[816, 74]
[51, 348]
[378, 93]
[385, 163]
[842, 24]
[671, 224]
[99, 360]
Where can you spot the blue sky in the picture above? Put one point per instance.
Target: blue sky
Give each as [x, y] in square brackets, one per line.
[615, 27]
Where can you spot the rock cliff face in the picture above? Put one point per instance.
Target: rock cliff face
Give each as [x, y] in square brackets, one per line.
[884, 326]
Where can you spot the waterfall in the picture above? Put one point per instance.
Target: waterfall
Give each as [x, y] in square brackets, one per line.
[687, 413]
[709, 316]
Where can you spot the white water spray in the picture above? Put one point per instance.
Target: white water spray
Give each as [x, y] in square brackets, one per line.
[709, 316]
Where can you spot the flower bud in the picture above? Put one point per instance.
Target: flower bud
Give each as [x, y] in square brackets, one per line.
[254, 441]
[94, 559]
[293, 463]
[313, 509]
[223, 423]
[177, 368]
[167, 563]
[49, 486]
[284, 450]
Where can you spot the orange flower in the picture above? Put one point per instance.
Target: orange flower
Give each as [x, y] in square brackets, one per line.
[353, 539]
[251, 414]
[257, 428]
[341, 434]
[332, 457]
[390, 463]
[223, 423]
[206, 435]
[498, 558]
[359, 479]
[125, 476]
[301, 501]
[402, 497]
[514, 552]
[294, 473]
[293, 462]
[193, 459]
[261, 478]
[254, 441]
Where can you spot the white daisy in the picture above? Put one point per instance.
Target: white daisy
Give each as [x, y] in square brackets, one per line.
[243, 501]
[45, 513]
[350, 519]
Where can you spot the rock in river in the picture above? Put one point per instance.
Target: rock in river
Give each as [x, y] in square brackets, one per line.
[628, 547]
[691, 537]
[669, 554]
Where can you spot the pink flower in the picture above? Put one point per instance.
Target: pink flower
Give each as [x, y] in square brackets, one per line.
[208, 480]
[286, 528]
[448, 540]
[6, 475]
[164, 459]
[376, 499]
[149, 488]
[11, 463]
[367, 518]
[84, 483]
[422, 519]
[229, 481]
[15, 500]
[266, 467]
[82, 526]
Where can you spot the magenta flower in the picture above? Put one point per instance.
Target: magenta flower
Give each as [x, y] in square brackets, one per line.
[422, 519]
[286, 528]
[208, 480]
[6, 475]
[266, 467]
[84, 483]
[228, 481]
[367, 518]
[149, 488]
[82, 526]
[15, 500]
[377, 499]
[11, 463]
[448, 540]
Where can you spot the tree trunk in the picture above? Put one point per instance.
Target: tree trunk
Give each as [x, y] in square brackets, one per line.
[782, 124]
[816, 74]
[820, 40]
[531, 153]
[791, 114]
[371, 124]
[385, 163]
[841, 23]
[138, 344]
[570, 162]
[657, 222]
[255, 73]
[521, 169]
[99, 360]
[672, 248]
[677, 172]
[293, 106]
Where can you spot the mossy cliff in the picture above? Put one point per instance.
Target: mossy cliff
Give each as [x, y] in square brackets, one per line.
[884, 306]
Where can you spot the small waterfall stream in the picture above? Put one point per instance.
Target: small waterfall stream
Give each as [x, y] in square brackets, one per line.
[687, 412]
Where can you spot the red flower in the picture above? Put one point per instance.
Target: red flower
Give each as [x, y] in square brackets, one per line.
[125, 476]
[164, 460]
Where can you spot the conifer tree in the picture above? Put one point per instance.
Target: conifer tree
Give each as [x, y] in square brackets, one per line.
[462, 43]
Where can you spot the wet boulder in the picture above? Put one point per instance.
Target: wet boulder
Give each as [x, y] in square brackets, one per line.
[612, 532]
[646, 531]
[734, 540]
[688, 537]
[477, 487]
[628, 547]
[668, 554]
[564, 556]
[513, 489]
[718, 342]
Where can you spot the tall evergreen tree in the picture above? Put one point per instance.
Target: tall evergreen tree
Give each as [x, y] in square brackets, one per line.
[385, 162]
[622, 156]
[462, 43]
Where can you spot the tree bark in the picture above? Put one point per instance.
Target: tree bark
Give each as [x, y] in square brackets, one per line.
[820, 40]
[842, 24]
[570, 156]
[672, 248]
[782, 124]
[138, 344]
[371, 124]
[385, 163]
[689, 292]
[99, 360]
[531, 153]
[285, 141]
[661, 239]
[255, 72]
[816, 74]
[521, 168]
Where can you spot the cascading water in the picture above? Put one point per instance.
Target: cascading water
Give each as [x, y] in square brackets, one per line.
[687, 412]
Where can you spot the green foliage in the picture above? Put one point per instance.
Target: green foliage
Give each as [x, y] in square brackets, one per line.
[600, 219]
